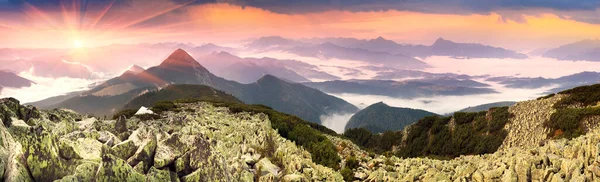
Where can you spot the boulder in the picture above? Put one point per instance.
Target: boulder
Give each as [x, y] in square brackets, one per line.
[125, 149]
[264, 167]
[157, 175]
[169, 149]
[113, 168]
[42, 156]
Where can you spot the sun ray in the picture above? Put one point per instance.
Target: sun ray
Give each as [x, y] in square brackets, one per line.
[39, 13]
[155, 14]
[103, 13]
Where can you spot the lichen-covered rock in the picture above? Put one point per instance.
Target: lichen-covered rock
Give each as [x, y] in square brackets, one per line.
[265, 167]
[42, 156]
[156, 175]
[113, 168]
[125, 149]
[170, 149]
[11, 108]
[145, 153]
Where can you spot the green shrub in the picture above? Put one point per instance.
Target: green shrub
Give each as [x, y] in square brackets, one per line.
[546, 97]
[582, 96]
[162, 106]
[568, 122]
[128, 113]
[500, 116]
[352, 163]
[146, 117]
[347, 174]
[378, 143]
[473, 133]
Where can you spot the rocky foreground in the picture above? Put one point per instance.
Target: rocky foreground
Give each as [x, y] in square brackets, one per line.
[200, 142]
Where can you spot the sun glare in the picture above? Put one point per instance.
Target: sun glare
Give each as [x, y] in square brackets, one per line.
[78, 44]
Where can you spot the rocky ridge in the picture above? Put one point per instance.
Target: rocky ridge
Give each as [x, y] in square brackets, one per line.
[199, 142]
[557, 160]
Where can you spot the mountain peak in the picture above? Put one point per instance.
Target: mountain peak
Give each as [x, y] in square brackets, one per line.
[441, 41]
[268, 78]
[134, 69]
[180, 58]
[380, 103]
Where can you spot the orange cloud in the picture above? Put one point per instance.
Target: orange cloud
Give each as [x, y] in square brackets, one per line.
[228, 23]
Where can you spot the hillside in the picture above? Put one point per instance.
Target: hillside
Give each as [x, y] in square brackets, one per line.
[180, 68]
[196, 142]
[380, 117]
[485, 107]
[175, 92]
[9, 79]
[588, 50]
[399, 89]
[238, 142]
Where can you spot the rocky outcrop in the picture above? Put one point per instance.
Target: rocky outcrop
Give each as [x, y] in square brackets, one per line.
[558, 160]
[526, 128]
[200, 142]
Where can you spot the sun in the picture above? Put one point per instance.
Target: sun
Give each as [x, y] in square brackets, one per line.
[78, 44]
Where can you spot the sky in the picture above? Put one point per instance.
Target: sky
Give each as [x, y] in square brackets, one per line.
[521, 25]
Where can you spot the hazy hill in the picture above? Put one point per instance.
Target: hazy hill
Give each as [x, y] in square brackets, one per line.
[403, 89]
[587, 50]
[380, 117]
[181, 68]
[441, 47]
[562, 83]
[9, 79]
[485, 107]
[175, 92]
[248, 70]
[330, 50]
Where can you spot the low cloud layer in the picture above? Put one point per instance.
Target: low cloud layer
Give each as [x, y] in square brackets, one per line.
[337, 122]
[46, 87]
[444, 104]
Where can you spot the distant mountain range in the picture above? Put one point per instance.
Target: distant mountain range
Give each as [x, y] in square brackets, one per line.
[585, 50]
[485, 107]
[391, 74]
[562, 83]
[181, 68]
[441, 47]
[401, 89]
[248, 70]
[9, 79]
[380, 117]
[329, 50]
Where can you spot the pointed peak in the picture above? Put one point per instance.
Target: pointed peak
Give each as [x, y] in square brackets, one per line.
[441, 41]
[380, 38]
[209, 45]
[180, 58]
[134, 69]
[267, 78]
[380, 103]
